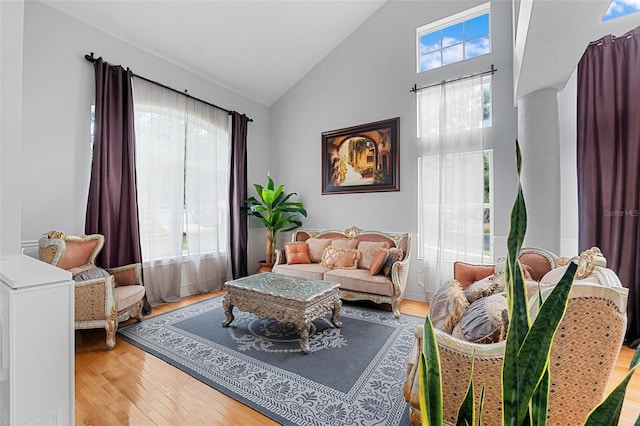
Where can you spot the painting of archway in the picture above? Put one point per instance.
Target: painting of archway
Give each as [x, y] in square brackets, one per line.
[361, 158]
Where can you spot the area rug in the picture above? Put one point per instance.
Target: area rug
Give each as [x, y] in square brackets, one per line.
[353, 375]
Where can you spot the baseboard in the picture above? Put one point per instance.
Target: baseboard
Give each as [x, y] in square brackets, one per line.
[188, 290]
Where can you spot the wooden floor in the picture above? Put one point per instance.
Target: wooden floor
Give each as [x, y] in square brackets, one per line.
[129, 386]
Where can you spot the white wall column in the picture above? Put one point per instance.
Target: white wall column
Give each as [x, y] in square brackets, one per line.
[539, 136]
[11, 30]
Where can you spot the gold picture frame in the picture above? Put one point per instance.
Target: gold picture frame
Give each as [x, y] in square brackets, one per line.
[362, 158]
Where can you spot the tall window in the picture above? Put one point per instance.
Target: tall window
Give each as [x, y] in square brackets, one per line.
[454, 39]
[182, 162]
[454, 178]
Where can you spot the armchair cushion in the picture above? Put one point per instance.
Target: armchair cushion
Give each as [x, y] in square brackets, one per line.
[89, 274]
[484, 321]
[447, 306]
[467, 274]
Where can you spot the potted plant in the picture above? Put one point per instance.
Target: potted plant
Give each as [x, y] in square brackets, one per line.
[276, 213]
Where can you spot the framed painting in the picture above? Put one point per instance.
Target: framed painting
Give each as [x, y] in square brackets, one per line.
[362, 158]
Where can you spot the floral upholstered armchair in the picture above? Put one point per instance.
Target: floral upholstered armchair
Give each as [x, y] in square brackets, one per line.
[103, 298]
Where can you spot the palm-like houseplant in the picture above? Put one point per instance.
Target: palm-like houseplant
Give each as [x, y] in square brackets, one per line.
[525, 373]
[276, 212]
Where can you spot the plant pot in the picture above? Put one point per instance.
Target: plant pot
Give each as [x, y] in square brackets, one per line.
[264, 267]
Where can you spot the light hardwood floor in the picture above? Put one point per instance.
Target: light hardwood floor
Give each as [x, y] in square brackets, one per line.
[129, 386]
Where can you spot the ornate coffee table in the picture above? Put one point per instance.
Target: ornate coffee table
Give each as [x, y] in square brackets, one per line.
[285, 299]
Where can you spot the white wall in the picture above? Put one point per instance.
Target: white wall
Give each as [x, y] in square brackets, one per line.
[567, 106]
[11, 51]
[58, 92]
[368, 78]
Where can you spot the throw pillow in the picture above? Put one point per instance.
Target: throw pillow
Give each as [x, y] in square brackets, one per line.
[395, 255]
[316, 248]
[90, 274]
[485, 320]
[368, 250]
[467, 273]
[337, 258]
[297, 253]
[539, 264]
[492, 284]
[344, 243]
[378, 261]
[447, 306]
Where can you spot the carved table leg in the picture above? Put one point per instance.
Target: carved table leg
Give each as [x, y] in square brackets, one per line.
[335, 316]
[228, 310]
[303, 328]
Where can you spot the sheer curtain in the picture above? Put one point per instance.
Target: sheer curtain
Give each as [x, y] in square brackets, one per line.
[451, 177]
[182, 158]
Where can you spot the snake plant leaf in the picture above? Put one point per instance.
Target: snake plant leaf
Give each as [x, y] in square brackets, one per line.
[430, 382]
[467, 410]
[533, 356]
[540, 400]
[481, 405]
[608, 411]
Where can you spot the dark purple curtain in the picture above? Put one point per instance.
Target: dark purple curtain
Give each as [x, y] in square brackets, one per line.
[609, 160]
[237, 194]
[112, 206]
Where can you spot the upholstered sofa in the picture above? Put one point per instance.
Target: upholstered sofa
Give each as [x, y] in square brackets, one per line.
[368, 265]
[103, 297]
[588, 341]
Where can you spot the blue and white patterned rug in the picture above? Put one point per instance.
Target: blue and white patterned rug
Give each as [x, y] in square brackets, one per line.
[354, 375]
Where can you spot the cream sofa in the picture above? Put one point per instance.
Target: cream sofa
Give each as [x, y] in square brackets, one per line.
[357, 282]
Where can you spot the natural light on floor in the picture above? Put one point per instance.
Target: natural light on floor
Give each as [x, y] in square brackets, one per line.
[619, 8]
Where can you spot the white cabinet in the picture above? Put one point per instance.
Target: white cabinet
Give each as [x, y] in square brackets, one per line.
[36, 343]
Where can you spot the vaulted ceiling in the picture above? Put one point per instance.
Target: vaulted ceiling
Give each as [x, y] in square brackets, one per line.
[268, 45]
[258, 48]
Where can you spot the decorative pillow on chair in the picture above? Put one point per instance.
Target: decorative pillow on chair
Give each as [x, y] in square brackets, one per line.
[297, 253]
[368, 250]
[395, 255]
[467, 273]
[90, 274]
[378, 261]
[337, 258]
[316, 248]
[492, 284]
[447, 306]
[485, 320]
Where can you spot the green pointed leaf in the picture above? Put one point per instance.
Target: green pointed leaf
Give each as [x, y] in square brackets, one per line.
[532, 358]
[481, 406]
[430, 382]
[467, 410]
[608, 412]
[540, 400]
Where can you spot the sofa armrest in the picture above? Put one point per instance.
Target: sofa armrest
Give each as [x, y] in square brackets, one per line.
[400, 271]
[128, 274]
[279, 257]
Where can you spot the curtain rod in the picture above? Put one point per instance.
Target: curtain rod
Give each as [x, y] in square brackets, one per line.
[93, 60]
[415, 88]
